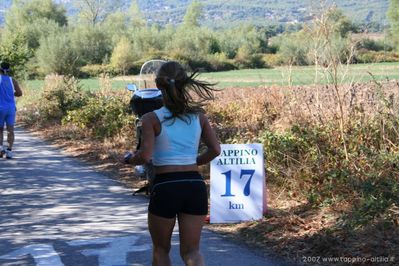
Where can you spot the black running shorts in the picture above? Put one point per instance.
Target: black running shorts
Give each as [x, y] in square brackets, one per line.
[178, 192]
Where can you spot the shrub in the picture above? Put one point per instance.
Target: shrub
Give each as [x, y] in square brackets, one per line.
[60, 95]
[102, 116]
[374, 45]
[365, 56]
[220, 62]
[272, 59]
[97, 70]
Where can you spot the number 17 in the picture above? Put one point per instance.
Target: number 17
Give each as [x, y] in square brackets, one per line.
[247, 189]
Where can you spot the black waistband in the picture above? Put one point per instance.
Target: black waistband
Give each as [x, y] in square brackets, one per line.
[176, 176]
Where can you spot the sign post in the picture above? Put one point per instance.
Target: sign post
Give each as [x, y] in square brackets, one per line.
[238, 187]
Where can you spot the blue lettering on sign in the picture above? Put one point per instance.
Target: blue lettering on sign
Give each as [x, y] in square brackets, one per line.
[247, 187]
[236, 206]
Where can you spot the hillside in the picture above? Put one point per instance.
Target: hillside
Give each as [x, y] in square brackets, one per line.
[225, 13]
[222, 13]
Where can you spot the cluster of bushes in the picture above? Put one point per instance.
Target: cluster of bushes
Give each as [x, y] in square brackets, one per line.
[96, 115]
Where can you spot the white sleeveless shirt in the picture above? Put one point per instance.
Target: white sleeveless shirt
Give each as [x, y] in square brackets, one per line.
[178, 141]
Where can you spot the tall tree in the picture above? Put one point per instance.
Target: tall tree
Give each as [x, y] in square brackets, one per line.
[96, 11]
[91, 43]
[193, 14]
[122, 56]
[136, 17]
[55, 55]
[34, 19]
[393, 15]
[16, 52]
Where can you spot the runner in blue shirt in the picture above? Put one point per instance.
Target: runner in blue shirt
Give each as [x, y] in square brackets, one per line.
[9, 89]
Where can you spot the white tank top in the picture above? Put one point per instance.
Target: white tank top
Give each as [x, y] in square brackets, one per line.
[178, 141]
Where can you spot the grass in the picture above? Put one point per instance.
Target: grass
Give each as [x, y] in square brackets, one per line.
[279, 76]
[87, 84]
[301, 75]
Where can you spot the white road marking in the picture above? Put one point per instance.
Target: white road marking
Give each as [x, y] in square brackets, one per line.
[43, 254]
[115, 253]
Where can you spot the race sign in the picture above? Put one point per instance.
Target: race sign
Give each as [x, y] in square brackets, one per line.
[238, 187]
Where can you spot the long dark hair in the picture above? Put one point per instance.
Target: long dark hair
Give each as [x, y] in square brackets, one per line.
[182, 94]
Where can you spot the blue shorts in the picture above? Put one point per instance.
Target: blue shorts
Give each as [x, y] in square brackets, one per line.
[7, 116]
[178, 192]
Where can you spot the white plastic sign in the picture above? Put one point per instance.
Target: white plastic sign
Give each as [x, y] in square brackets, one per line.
[238, 187]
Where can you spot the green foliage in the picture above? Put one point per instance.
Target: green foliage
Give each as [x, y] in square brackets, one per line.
[102, 116]
[16, 52]
[34, 19]
[122, 57]
[137, 19]
[92, 12]
[339, 23]
[63, 101]
[193, 13]
[364, 56]
[60, 95]
[374, 45]
[293, 49]
[393, 15]
[96, 39]
[248, 38]
[56, 55]
[150, 41]
[97, 70]
[91, 43]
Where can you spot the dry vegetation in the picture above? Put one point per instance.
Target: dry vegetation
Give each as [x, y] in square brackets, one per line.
[320, 204]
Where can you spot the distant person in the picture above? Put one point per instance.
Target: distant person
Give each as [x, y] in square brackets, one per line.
[171, 138]
[9, 89]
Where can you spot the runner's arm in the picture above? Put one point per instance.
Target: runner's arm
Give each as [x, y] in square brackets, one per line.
[144, 154]
[17, 88]
[208, 136]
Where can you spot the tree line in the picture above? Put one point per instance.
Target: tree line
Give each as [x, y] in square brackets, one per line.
[39, 38]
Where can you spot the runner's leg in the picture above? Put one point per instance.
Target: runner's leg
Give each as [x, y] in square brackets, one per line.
[161, 234]
[10, 136]
[2, 121]
[10, 122]
[190, 228]
[1, 137]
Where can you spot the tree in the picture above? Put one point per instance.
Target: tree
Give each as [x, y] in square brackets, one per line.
[246, 38]
[16, 52]
[122, 56]
[193, 13]
[34, 19]
[91, 43]
[56, 55]
[393, 15]
[136, 17]
[96, 11]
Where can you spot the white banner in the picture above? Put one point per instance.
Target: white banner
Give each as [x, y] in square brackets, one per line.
[238, 187]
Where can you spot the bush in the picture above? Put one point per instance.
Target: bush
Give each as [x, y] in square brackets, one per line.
[374, 45]
[60, 95]
[97, 70]
[365, 56]
[250, 61]
[272, 59]
[102, 117]
[220, 62]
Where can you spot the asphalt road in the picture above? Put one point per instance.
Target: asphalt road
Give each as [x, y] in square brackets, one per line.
[56, 210]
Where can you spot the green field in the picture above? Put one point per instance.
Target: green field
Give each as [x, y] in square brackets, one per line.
[302, 75]
[279, 76]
